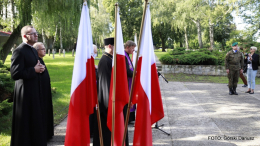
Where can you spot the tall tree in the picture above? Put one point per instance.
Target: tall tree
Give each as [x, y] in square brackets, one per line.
[163, 27]
[130, 14]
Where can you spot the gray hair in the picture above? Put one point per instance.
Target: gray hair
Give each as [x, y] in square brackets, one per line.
[36, 45]
[253, 48]
[129, 44]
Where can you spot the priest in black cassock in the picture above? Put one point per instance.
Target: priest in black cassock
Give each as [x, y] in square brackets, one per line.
[45, 93]
[104, 77]
[27, 122]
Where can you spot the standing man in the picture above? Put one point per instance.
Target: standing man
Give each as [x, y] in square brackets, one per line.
[129, 49]
[234, 66]
[45, 93]
[104, 77]
[27, 122]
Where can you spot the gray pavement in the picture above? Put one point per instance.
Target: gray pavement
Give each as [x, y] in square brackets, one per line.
[200, 114]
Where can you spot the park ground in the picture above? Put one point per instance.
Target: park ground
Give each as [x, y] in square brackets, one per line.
[60, 70]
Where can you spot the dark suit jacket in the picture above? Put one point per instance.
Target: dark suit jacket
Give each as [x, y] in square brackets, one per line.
[255, 61]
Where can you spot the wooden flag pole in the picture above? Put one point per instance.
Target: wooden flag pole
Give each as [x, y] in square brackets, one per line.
[133, 79]
[99, 124]
[114, 78]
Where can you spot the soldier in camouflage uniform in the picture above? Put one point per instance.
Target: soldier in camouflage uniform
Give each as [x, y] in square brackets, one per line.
[234, 63]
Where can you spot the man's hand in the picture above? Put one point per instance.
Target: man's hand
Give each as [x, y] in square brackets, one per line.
[39, 68]
[227, 71]
[241, 71]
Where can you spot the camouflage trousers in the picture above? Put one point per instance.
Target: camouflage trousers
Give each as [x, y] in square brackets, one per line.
[233, 78]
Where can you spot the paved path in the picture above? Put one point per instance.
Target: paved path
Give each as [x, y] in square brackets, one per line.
[195, 111]
[200, 114]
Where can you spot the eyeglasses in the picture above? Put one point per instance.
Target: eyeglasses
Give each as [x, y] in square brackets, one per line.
[33, 33]
[42, 49]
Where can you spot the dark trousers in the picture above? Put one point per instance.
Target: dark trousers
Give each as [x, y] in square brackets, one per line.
[243, 78]
[233, 78]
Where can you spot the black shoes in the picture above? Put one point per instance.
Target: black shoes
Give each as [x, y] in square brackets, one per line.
[231, 91]
[234, 91]
[251, 93]
[248, 92]
[244, 86]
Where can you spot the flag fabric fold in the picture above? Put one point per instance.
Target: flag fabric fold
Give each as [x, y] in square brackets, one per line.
[121, 91]
[146, 92]
[135, 51]
[83, 86]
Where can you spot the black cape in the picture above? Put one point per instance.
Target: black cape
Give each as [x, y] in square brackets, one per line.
[104, 76]
[46, 96]
[27, 123]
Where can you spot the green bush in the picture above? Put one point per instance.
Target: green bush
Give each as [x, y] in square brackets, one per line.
[5, 108]
[200, 57]
[167, 59]
[6, 83]
[197, 58]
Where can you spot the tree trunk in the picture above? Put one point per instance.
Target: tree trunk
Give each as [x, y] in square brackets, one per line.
[186, 38]
[163, 42]
[197, 22]
[44, 39]
[54, 40]
[13, 14]
[211, 34]
[6, 10]
[61, 47]
[199, 33]
[10, 43]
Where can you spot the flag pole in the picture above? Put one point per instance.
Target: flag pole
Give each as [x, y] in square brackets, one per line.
[99, 124]
[114, 78]
[133, 79]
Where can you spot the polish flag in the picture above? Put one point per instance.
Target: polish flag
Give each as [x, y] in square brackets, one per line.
[121, 91]
[135, 51]
[83, 86]
[147, 92]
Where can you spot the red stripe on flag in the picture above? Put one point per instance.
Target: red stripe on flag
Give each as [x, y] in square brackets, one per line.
[157, 105]
[82, 103]
[121, 99]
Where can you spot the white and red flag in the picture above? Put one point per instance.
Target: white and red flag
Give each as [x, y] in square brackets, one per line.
[83, 86]
[135, 51]
[121, 88]
[146, 92]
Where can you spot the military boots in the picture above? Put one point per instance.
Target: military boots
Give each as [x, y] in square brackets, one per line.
[231, 91]
[234, 90]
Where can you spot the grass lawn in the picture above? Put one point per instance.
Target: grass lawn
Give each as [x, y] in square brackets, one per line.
[159, 53]
[60, 70]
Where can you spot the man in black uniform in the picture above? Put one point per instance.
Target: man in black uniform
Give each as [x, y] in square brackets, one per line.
[28, 123]
[104, 76]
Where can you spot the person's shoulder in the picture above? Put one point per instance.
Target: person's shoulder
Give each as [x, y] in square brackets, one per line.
[229, 52]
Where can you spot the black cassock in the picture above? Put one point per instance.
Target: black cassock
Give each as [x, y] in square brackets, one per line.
[28, 122]
[104, 76]
[45, 94]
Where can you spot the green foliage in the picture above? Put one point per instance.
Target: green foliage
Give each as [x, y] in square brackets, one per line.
[178, 51]
[167, 59]
[200, 57]
[5, 108]
[130, 15]
[197, 58]
[6, 83]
